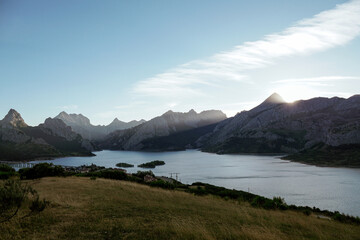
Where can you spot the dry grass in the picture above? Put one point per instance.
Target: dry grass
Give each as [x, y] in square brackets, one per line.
[108, 209]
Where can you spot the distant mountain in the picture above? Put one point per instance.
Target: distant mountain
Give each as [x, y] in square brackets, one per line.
[53, 138]
[164, 125]
[13, 119]
[276, 126]
[81, 125]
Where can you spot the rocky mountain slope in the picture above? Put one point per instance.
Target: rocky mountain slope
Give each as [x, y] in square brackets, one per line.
[164, 125]
[53, 138]
[277, 126]
[81, 125]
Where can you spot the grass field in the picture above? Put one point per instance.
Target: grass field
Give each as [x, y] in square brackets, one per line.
[81, 208]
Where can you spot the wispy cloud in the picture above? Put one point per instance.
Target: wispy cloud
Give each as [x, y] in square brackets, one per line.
[325, 30]
[317, 79]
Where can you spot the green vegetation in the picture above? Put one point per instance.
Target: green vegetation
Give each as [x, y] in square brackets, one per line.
[6, 171]
[83, 209]
[124, 165]
[152, 164]
[106, 173]
[14, 195]
[41, 170]
[198, 188]
[323, 155]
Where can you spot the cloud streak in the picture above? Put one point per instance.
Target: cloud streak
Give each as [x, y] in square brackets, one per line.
[317, 79]
[323, 31]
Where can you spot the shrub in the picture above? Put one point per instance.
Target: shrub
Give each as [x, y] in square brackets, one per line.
[113, 174]
[162, 184]
[263, 202]
[280, 203]
[14, 195]
[41, 170]
[307, 212]
[6, 168]
[6, 171]
[142, 174]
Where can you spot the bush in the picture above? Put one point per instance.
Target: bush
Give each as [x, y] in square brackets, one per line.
[41, 170]
[14, 195]
[5, 175]
[307, 212]
[113, 174]
[133, 178]
[280, 203]
[162, 184]
[142, 174]
[6, 171]
[262, 202]
[6, 168]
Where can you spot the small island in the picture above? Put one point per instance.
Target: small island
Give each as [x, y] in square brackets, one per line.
[152, 164]
[124, 165]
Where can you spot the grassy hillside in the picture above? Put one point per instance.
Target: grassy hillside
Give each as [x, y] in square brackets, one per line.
[109, 209]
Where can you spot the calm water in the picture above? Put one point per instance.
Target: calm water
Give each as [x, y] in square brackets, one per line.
[326, 188]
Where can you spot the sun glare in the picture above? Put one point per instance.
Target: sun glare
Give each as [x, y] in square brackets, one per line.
[292, 93]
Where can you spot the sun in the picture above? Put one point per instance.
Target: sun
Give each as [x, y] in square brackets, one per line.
[292, 93]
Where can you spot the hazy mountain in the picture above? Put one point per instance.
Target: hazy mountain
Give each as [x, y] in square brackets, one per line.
[277, 126]
[164, 125]
[53, 138]
[81, 125]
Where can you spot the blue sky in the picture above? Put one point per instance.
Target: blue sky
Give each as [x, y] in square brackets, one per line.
[138, 59]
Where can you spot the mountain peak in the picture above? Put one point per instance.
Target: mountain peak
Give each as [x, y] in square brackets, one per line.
[14, 119]
[192, 111]
[116, 121]
[168, 112]
[274, 98]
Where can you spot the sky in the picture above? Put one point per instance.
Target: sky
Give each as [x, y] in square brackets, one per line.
[138, 59]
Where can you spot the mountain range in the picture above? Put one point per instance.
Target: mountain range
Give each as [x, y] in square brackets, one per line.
[53, 138]
[277, 126]
[167, 124]
[81, 125]
[312, 131]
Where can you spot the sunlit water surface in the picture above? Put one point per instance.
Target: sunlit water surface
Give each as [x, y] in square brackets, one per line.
[336, 189]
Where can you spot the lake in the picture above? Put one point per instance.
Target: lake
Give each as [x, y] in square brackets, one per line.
[336, 189]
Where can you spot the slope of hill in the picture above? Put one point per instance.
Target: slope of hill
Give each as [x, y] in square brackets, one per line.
[81, 125]
[81, 208]
[164, 125]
